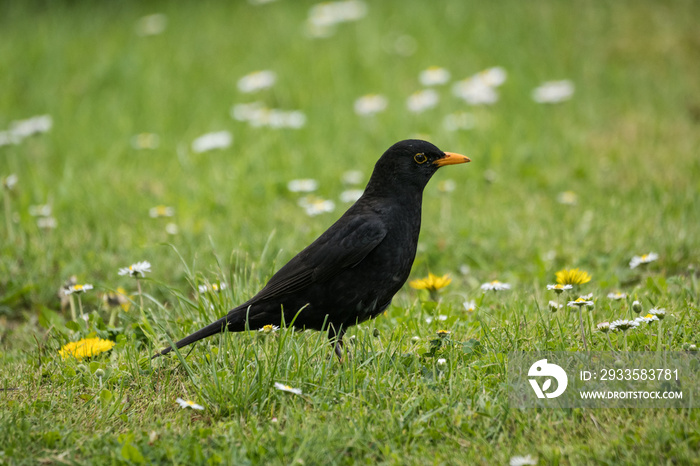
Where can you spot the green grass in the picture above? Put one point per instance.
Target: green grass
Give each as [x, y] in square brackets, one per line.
[626, 144]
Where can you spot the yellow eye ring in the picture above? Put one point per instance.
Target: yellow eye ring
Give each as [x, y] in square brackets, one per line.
[420, 158]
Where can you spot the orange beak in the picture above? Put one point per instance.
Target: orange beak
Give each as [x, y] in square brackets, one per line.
[451, 158]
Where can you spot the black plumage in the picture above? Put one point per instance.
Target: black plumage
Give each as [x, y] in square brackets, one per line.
[352, 271]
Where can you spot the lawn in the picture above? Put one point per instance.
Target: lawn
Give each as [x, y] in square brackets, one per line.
[102, 105]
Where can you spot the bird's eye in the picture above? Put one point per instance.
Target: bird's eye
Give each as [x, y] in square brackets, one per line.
[420, 158]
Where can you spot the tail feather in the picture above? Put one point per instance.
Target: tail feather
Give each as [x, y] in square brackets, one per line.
[209, 330]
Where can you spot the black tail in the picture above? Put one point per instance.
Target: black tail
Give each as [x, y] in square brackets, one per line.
[209, 330]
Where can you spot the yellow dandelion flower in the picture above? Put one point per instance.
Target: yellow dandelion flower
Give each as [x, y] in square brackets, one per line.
[443, 333]
[432, 283]
[85, 348]
[573, 277]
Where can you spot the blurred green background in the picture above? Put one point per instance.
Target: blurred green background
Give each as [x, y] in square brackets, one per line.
[626, 143]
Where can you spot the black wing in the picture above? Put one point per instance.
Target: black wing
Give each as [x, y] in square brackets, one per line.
[342, 246]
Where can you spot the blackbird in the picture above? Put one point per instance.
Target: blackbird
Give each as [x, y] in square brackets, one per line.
[352, 271]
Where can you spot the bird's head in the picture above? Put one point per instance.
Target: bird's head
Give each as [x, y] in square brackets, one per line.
[411, 162]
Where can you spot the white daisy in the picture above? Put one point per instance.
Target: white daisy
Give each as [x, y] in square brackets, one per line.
[260, 116]
[643, 259]
[256, 81]
[658, 312]
[441, 318]
[151, 25]
[189, 404]
[77, 289]
[421, 101]
[145, 141]
[9, 182]
[276, 118]
[215, 287]
[616, 296]
[171, 228]
[135, 269]
[370, 104]
[161, 211]
[492, 77]
[623, 325]
[324, 16]
[43, 210]
[210, 141]
[580, 302]
[46, 223]
[446, 186]
[458, 121]
[495, 285]
[247, 112]
[304, 185]
[352, 177]
[522, 460]
[8, 139]
[567, 198]
[37, 124]
[434, 76]
[649, 318]
[475, 92]
[351, 195]
[269, 328]
[603, 327]
[469, 306]
[552, 92]
[287, 388]
[315, 205]
[441, 361]
[555, 306]
[558, 288]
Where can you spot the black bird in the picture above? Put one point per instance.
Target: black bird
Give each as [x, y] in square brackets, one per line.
[352, 271]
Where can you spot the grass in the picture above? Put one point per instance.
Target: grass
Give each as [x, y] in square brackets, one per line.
[626, 144]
